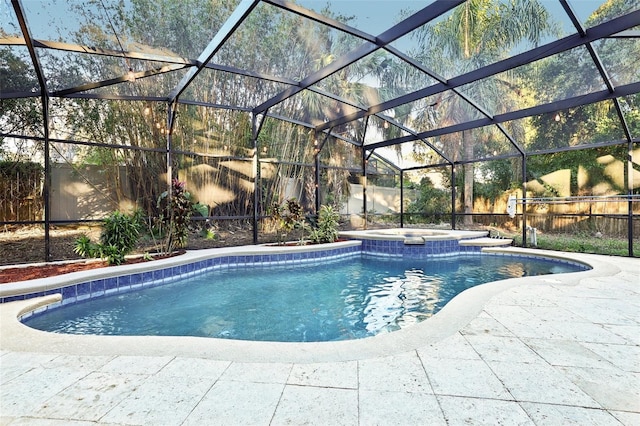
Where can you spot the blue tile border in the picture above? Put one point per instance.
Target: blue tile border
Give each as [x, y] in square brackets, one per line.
[125, 283]
[383, 248]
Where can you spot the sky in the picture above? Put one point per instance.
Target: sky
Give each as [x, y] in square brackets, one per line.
[371, 16]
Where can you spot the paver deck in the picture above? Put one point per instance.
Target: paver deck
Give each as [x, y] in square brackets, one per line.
[549, 350]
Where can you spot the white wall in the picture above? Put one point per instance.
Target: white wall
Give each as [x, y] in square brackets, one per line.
[380, 199]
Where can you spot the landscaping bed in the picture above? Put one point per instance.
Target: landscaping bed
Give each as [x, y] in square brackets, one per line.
[26, 246]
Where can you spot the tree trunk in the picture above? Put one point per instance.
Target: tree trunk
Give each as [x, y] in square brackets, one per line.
[467, 144]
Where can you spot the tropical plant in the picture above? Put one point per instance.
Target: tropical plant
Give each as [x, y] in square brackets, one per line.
[176, 207]
[208, 233]
[289, 217]
[85, 247]
[119, 236]
[326, 229]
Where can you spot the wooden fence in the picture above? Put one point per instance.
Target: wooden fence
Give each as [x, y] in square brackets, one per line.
[607, 216]
[21, 197]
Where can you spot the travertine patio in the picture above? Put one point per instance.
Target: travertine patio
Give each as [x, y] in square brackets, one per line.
[550, 350]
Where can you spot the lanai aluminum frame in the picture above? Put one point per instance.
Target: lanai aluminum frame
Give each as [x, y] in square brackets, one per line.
[623, 26]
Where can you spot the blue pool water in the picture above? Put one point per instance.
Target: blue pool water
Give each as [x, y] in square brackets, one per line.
[346, 299]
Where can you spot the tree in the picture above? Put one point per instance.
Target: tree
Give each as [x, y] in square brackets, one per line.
[215, 142]
[475, 34]
[588, 124]
[432, 203]
[18, 116]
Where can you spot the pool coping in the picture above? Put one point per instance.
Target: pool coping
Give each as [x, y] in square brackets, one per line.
[15, 336]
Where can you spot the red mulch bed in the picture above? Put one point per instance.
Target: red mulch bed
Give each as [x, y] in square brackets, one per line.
[32, 272]
[23, 273]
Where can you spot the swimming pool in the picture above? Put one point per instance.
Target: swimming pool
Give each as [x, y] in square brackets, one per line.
[349, 298]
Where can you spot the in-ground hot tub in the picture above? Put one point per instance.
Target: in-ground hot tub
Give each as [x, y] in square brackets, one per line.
[423, 242]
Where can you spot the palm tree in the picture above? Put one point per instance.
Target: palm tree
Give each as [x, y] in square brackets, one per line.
[475, 34]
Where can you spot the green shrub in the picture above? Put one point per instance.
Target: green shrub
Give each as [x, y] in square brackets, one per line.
[326, 230]
[121, 231]
[119, 236]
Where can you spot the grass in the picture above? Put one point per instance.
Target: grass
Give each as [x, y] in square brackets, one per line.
[583, 243]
